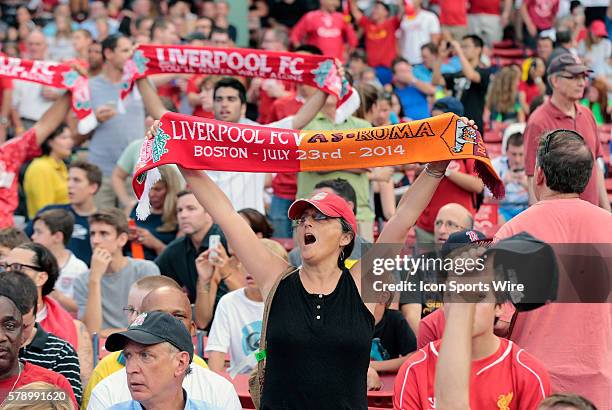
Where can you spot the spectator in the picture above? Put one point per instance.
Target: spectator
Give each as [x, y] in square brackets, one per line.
[343, 189]
[544, 47]
[537, 15]
[511, 169]
[451, 218]
[326, 29]
[220, 37]
[204, 25]
[41, 348]
[160, 227]
[596, 48]
[512, 375]
[460, 186]
[413, 89]
[325, 232]
[81, 42]
[95, 59]
[46, 178]
[62, 10]
[200, 91]
[555, 332]
[258, 222]
[60, 44]
[11, 238]
[102, 292]
[503, 97]
[236, 327]
[486, 20]
[416, 31]
[84, 180]
[166, 344]
[178, 260]
[53, 229]
[532, 85]
[567, 76]
[471, 84]
[31, 100]
[221, 18]
[40, 265]
[116, 126]
[13, 372]
[115, 361]
[596, 99]
[567, 401]
[393, 339]
[98, 12]
[201, 383]
[379, 34]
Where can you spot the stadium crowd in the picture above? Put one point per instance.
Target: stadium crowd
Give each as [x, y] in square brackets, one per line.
[99, 309]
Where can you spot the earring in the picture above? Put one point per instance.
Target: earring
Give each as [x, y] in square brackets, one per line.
[342, 254]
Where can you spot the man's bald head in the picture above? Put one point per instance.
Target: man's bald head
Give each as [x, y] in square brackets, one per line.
[36, 45]
[170, 300]
[451, 218]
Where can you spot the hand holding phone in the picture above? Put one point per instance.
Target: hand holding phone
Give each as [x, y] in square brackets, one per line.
[213, 243]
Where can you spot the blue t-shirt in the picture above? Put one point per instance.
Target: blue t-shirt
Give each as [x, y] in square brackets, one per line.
[79, 242]
[414, 102]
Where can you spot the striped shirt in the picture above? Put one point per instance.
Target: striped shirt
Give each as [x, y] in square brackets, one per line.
[50, 352]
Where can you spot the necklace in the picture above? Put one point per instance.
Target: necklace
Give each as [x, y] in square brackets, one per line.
[14, 384]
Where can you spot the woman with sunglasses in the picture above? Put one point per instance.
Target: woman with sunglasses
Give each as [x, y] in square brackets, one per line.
[319, 330]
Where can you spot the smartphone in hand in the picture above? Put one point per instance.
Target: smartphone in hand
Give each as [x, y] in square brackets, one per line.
[213, 242]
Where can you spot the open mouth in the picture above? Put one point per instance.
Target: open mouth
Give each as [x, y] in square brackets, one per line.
[309, 239]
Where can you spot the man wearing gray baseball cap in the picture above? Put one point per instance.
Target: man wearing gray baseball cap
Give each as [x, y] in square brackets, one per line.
[158, 351]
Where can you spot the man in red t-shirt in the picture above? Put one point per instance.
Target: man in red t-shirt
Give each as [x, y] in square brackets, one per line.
[538, 15]
[568, 78]
[380, 40]
[18, 150]
[500, 375]
[487, 20]
[453, 17]
[326, 29]
[13, 372]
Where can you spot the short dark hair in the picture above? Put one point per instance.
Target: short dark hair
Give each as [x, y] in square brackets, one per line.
[221, 30]
[258, 222]
[476, 39]
[307, 48]
[183, 192]
[45, 147]
[92, 171]
[342, 188]
[431, 47]
[44, 259]
[231, 82]
[159, 23]
[396, 61]
[12, 237]
[516, 140]
[567, 399]
[111, 216]
[58, 220]
[566, 160]
[21, 289]
[110, 42]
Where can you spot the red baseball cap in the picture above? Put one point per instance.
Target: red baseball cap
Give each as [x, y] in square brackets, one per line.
[328, 204]
[598, 28]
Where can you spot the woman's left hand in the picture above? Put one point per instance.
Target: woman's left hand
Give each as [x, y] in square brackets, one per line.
[146, 238]
[440, 166]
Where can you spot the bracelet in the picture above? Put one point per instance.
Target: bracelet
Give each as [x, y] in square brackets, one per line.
[434, 174]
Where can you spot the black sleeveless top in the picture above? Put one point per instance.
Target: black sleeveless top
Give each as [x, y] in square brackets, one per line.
[318, 348]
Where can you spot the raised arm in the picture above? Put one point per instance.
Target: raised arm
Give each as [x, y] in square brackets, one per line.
[52, 118]
[151, 100]
[309, 110]
[258, 261]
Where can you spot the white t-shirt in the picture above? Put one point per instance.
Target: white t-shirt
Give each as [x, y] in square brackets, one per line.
[201, 384]
[415, 33]
[246, 189]
[68, 273]
[236, 328]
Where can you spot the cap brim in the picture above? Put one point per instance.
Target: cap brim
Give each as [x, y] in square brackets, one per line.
[577, 69]
[298, 207]
[117, 341]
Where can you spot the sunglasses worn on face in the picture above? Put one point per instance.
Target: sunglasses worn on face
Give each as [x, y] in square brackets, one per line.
[317, 217]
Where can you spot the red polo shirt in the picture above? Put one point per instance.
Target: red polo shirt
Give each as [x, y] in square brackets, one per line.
[509, 379]
[485, 7]
[547, 118]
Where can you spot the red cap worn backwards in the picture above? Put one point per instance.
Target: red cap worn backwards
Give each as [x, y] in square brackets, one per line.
[328, 204]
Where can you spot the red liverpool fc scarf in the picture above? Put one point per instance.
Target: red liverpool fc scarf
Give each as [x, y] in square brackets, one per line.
[316, 71]
[198, 143]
